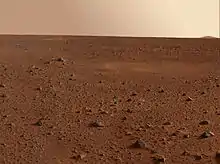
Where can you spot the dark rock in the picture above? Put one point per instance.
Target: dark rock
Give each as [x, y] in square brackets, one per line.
[97, 124]
[217, 157]
[124, 118]
[159, 159]
[161, 91]
[2, 85]
[38, 123]
[128, 133]
[3, 95]
[217, 154]
[167, 123]
[139, 144]
[205, 122]
[60, 59]
[79, 157]
[197, 157]
[129, 100]
[189, 99]
[134, 94]
[203, 92]
[186, 136]
[39, 88]
[207, 134]
[129, 111]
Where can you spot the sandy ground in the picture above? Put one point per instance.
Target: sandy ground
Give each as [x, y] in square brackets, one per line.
[100, 100]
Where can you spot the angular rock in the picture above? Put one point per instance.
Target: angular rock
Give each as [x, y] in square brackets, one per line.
[139, 144]
[204, 122]
[197, 157]
[167, 123]
[217, 157]
[2, 85]
[97, 124]
[207, 134]
[38, 123]
[189, 99]
[159, 159]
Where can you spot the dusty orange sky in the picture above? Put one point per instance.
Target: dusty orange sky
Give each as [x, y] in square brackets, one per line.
[175, 18]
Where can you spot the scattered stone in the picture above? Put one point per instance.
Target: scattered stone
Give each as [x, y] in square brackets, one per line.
[207, 134]
[159, 159]
[18, 45]
[128, 133]
[12, 125]
[161, 91]
[39, 88]
[186, 153]
[124, 118]
[38, 123]
[97, 124]
[203, 92]
[186, 136]
[183, 94]
[205, 122]
[134, 94]
[104, 112]
[189, 99]
[139, 144]
[115, 100]
[129, 111]
[3, 95]
[60, 59]
[79, 157]
[217, 157]
[197, 157]
[2, 85]
[78, 111]
[167, 123]
[129, 100]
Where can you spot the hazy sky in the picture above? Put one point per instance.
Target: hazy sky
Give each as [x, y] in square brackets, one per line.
[180, 18]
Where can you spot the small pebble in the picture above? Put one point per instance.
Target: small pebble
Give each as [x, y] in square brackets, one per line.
[159, 159]
[217, 154]
[60, 59]
[128, 133]
[38, 123]
[161, 91]
[134, 94]
[97, 124]
[139, 144]
[207, 134]
[203, 92]
[3, 95]
[217, 157]
[186, 136]
[189, 99]
[2, 85]
[197, 157]
[167, 123]
[205, 122]
[129, 111]
[39, 88]
[79, 157]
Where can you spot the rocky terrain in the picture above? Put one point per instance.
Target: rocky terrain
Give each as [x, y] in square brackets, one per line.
[105, 100]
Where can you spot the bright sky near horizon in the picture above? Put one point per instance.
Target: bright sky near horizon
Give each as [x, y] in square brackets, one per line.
[166, 18]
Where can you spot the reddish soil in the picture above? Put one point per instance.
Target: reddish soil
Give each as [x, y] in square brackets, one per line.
[106, 100]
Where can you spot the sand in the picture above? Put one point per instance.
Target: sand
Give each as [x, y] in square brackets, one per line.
[105, 100]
